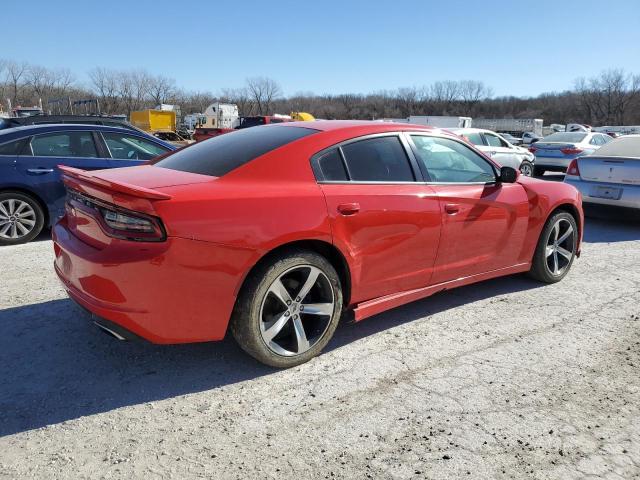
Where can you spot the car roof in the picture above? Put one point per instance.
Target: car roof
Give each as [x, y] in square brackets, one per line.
[373, 125]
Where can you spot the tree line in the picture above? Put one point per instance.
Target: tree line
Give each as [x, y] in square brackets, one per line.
[610, 98]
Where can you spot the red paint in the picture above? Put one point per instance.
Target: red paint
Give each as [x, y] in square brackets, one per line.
[400, 242]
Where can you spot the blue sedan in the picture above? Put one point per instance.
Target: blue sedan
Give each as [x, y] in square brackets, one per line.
[32, 194]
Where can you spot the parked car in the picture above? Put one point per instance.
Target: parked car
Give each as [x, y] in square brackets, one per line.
[530, 137]
[498, 148]
[511, 139]
[12, 122]
[611, 175]
[274, 231]
[31, 189]
[554, 152]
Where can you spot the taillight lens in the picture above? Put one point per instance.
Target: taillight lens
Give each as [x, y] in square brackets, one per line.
[119, 222]
[573, 168]
[532, 149]
[571, 151]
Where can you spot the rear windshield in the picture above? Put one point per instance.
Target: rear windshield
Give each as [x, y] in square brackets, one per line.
[622, 147]
[571, 137]
[219, 155]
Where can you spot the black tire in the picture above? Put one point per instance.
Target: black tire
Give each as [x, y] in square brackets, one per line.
[37, 218]
[542, 267]
[527, 169]
[247, 317]
[538, 172]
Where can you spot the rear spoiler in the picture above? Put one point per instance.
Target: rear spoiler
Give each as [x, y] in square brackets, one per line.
[76, 174]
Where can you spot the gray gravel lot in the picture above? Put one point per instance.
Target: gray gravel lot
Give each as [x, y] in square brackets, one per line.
[504, 379]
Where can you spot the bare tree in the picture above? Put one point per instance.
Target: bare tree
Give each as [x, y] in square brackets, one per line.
[105, 86]
[14, 73]
[161, 89]
[241, 97]
[263, 91]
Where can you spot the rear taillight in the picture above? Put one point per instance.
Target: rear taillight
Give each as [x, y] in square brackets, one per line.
[573, 168]
[571, 151]
[532, 149]
[118, 222]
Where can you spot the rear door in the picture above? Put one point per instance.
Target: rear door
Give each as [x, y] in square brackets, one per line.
[38, 162]
[380, 213]
[501, 152]
[483, 222]
[127, 149]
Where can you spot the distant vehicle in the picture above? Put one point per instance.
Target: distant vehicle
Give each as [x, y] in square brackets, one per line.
[255, 121]
[498, 148]
[514, 126]
[217, 119]
[578, 127]
[301, 117]
[26, 111]
[530, 137]
[511, 139]
[611, 175]
[160, 124]
[31, 190]
[112, 121]
[440, 121]
[555, 152]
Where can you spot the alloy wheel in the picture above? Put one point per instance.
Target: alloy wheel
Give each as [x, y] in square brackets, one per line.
[296, 310]
[526, 169]
[560, 247]
[17, 218]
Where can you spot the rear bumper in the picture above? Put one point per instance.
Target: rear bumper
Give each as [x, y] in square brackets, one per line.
[177, 291]
[629, 198]
[553, 163]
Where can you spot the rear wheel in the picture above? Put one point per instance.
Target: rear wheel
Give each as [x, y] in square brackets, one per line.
[526, 168]
[556, 249]
[288, 309]
[21, 218]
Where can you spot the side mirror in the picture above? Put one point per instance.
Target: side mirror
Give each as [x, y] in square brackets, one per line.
[508, 175]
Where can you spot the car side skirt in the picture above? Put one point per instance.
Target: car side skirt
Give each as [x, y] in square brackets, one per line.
[378, 305]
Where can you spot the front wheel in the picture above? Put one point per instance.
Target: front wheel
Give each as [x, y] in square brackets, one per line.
[526, 168]
[288, 309]
[21, 218]
[556, 248]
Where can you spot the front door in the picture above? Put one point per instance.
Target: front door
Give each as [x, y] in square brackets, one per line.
[484, 222]
[385, 221]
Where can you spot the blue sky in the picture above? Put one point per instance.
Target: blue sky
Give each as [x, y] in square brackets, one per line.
[331, 46]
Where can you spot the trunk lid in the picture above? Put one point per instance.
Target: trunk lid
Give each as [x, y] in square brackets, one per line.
[610, 169]
[553, 149]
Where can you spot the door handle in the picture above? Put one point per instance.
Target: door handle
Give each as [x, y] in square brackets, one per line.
[349, 208]
[40, 170]
[451, 208]
[491, 154]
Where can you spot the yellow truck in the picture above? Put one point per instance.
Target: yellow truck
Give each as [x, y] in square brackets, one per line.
[159, 123]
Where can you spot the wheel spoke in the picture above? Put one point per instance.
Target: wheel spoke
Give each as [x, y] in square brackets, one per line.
[555, 262]
[12, 206]
[279, 290]
[5, 229]
[3, 210]
[301, 336]
[308, 285]
[14, 231]
[566, 234]
[23, 230]
[27, 221]
[318, 308]
[549, 250]
[556, 232]
[565, 253]
[275, 327]
[21, 207]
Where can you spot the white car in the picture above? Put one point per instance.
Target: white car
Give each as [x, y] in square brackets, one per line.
[499, 149]
[554, 152]
[610, 176]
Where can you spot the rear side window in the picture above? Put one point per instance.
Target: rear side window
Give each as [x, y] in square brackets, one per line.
[379, 159]
[64, 144]
[475, 138]
[12, 148]
[130, 147]
[219, 155]
[331, 165]
[494, 141]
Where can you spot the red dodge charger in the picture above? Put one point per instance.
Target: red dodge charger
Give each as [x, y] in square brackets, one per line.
[275, 231]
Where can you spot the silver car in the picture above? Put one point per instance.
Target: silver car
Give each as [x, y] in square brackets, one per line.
[611, 175]
[554, 152]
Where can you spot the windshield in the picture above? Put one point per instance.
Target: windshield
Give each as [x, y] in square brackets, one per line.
[569, 137]
[219, 155]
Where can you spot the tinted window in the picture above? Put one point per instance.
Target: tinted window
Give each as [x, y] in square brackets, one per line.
[450, 161]
[130, 147]
[64, 144]
[474, 138]
[380, 159]
[12, 148]
[494, 141]
[219, 155]
[331, 166]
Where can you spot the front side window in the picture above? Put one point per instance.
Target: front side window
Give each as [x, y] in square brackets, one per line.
[64, 144]
[475, 138]
[130, 147]
[494, 140]
[12, 148]
[379, 159]
[448, 161]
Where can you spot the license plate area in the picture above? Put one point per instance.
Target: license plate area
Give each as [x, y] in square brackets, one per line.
[607, 192]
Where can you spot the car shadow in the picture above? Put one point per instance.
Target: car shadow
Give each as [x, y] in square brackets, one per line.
[56, 365]
[608, 225]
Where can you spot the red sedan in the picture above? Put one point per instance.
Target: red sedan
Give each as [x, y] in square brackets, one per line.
[275, 231]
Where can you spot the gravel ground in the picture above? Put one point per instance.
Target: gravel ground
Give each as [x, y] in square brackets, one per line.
[504, 379]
